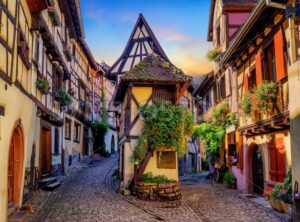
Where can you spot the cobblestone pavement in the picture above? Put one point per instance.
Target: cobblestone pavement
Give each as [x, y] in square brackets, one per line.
[89, 196]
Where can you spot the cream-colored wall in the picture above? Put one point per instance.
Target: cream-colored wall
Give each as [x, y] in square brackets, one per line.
[129, 167]
[15, 102]
[152, 167]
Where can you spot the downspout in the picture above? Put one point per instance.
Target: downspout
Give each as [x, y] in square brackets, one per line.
[270, 3]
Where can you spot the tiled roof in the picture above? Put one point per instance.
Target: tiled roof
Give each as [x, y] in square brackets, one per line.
[155, 68]
[240, 2]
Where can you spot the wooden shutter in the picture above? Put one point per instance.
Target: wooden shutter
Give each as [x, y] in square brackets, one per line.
[246, 83]
[279, 55]
[273, 168]
[280, 159]
[239, 145]
[277, 160]
[258, 64]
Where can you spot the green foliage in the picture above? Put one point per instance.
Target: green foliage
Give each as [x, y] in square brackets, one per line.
[246, 103]
[42, 85]
[263, 98]
[212, 134]
[265, 94]
[282, 191]
[229, 178]
[213, 131]
[99, 127]
[166, 126]
[149, 178]
[63, 98]
[275, 193]
[213, 54]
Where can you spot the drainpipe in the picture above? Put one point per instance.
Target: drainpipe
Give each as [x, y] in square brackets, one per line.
[270, 3]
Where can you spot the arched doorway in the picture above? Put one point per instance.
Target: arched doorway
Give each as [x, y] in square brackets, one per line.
[257, 170]
[15, 166]
[112, 146]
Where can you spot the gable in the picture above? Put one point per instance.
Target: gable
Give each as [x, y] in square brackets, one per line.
[141, 43]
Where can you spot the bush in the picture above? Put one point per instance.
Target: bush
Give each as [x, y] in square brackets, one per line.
[149, 178]
[229, 178]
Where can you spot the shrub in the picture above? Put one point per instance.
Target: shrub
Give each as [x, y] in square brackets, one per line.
[246, 103]
[229, 178]
[149, 178]
[266, 94]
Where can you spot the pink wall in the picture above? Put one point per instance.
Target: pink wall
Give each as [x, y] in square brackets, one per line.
[240, 177]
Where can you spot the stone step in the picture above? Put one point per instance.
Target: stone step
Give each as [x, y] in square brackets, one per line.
[52, 186]
[12, 208]
[19, 216]
[44, 182]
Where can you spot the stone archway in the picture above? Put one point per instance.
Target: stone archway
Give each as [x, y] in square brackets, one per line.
[15, 166]
[255, 171]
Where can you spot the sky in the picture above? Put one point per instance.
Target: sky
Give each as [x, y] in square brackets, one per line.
[179, 25]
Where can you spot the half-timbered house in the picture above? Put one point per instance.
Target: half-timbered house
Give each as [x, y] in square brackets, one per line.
[260, 54]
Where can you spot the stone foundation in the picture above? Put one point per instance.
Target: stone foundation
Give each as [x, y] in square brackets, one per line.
[158, 192]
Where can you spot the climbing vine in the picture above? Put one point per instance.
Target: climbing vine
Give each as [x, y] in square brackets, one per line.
[100, 129]
[166, 126]
[213, 130]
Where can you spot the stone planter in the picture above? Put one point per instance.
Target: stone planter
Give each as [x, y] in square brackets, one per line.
[157, 192]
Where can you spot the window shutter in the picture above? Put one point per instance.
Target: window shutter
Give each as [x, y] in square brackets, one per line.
[273, 168]
[246, 83]
[258, 64]
[279, 55]
[280, 159]
[239, 144]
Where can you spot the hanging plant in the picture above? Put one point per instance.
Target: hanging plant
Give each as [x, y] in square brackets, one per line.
[213, 54]
[68, 54]
[246, 103]
[42, 85]
[62, 97]
[166, 126]
[266, 96]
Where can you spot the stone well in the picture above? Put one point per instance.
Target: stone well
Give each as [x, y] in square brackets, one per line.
[159, 192]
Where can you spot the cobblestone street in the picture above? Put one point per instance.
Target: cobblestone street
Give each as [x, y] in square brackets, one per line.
[89, 195]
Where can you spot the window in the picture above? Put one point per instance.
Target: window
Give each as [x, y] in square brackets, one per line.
[166, 159]
[164, 93]
[77, 132]
[277, 159]
[222, 87]
[252, 79]
[68, 123]
[57, 79]
[56, 141]
[269, 64]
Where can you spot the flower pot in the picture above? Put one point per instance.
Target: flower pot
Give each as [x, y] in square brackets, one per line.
[276, 205]
[285, 207]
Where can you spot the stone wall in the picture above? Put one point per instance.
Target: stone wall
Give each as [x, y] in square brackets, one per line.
[159, 192]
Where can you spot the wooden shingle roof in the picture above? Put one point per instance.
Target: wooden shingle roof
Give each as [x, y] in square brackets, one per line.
[155, 68]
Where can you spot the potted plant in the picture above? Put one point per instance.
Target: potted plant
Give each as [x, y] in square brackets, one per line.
[62, 97]
[213, 53]
[229, 180]
[68, 54]
[266, 96]
[246, 103]
[42, 85]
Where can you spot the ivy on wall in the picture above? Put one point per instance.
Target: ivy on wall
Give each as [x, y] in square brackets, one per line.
[166, 126]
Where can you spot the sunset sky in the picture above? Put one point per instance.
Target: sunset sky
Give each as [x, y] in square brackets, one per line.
[179, 25]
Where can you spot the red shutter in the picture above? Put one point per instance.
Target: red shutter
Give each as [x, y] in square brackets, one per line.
[280, 160]
[277, 160]
[258, 64]
[273, 167]
[246, 83]
[279, 55]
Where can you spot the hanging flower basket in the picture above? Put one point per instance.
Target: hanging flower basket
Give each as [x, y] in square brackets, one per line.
[63, 98]
[43, 86]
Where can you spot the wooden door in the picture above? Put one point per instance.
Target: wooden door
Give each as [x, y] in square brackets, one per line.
[258, 171]
[15, 167]
[45, 152]
[10, 182]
